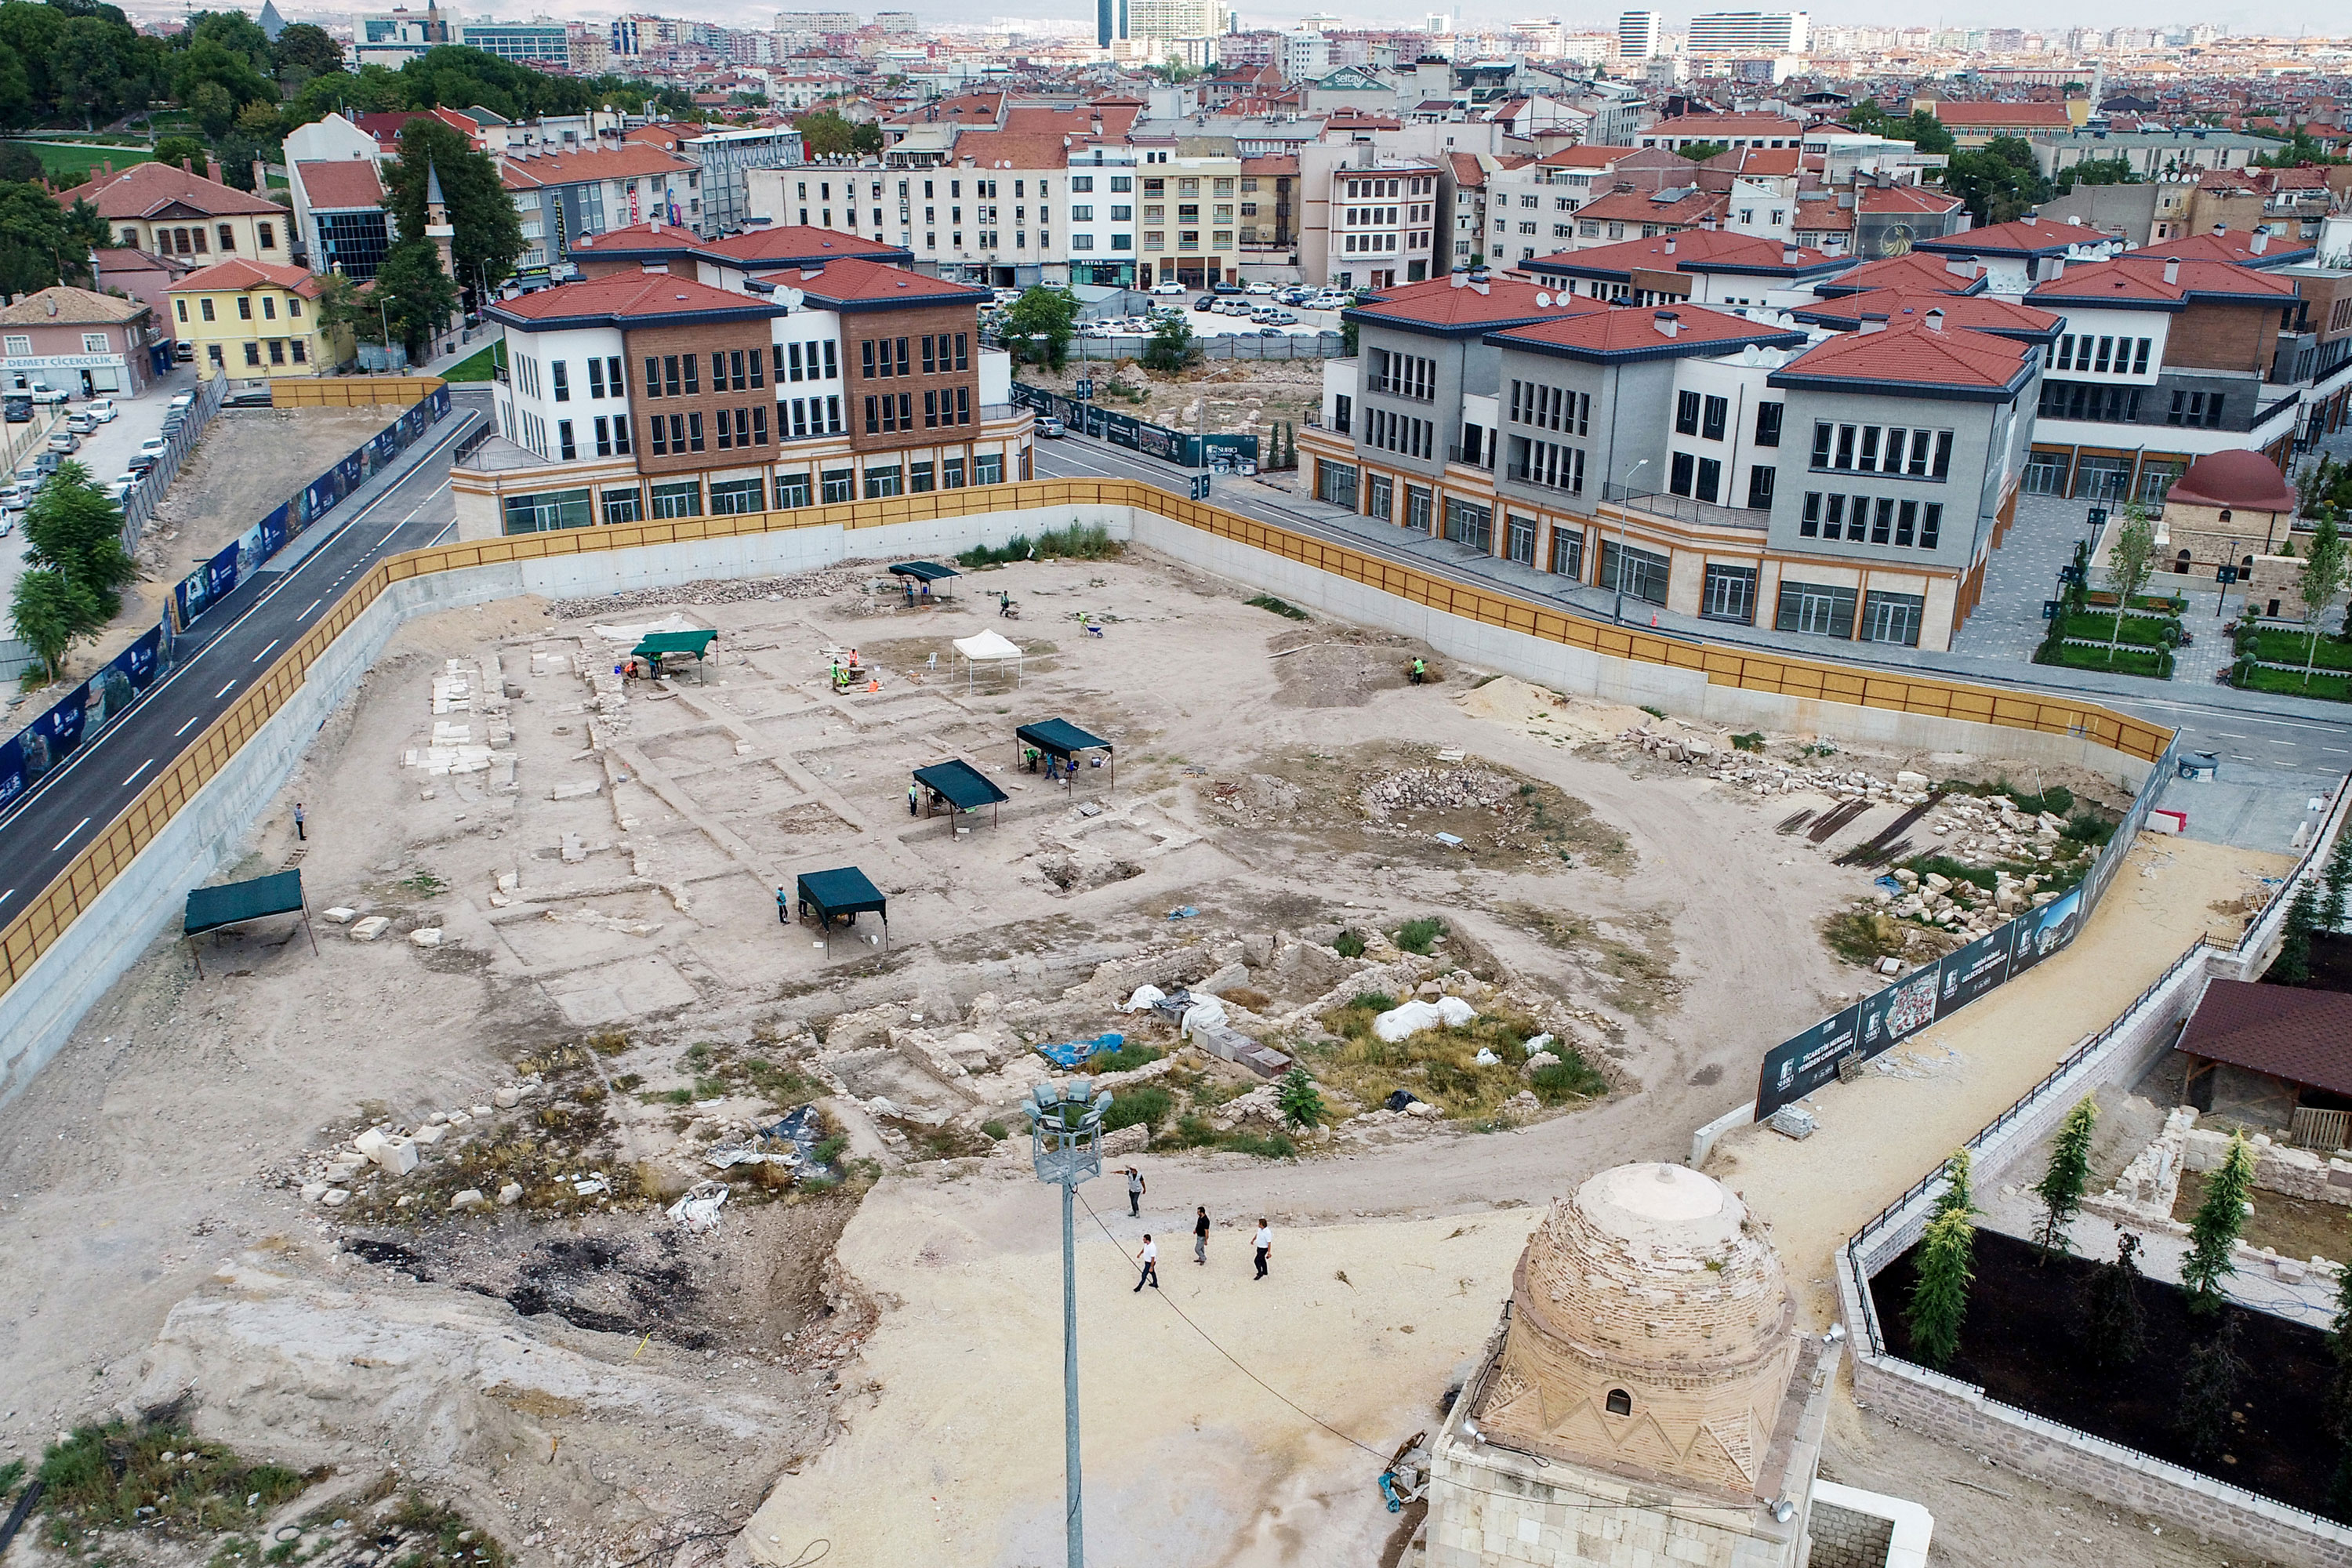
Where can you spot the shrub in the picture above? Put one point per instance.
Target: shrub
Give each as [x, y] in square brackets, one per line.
[995, 1132]
[1148, 1104]
[1349, 945]
[1939, 1291]
[1079, 541]
[1130, 1055]
[1417, 935]
[1374, 1002]
[2219, 1218]
[2061, 1187]
[1751, 741]
[2113, 1324]
[1302, 1106]
[2208, 1390]
[1571, 1078]
[1268, 602]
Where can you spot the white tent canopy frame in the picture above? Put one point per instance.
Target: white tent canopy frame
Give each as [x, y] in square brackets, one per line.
[989, 648]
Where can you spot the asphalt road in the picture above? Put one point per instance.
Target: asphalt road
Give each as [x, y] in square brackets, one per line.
[2319, 744]
[230, 645]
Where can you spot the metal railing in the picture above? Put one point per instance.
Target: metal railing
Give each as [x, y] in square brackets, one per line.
[140, 505]
[1684, 508]
[1484, 458]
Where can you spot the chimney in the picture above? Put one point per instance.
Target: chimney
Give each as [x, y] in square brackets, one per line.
[2262, 240]
[1787, 256]
[1668, 322]
[1670, 245]
[213, 170]
[1461, 280]
[1707, 223]
[2172, 270]
[260, 175]
[2220, 229]
[1873, 321]
[2033, 220]
[1936, 320]
[1961, 266]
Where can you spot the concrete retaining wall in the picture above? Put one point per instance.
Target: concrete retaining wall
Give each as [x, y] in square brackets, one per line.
[1589, 674]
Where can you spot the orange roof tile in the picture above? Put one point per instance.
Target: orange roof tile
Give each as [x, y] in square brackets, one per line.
[230, 276]
[1638, 332]
[1454, 304]
[1915, 356]
[150, 190]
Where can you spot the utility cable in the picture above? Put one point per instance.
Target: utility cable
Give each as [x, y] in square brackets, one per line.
[1229, 1355]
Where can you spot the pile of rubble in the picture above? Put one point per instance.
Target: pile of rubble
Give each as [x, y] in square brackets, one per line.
[1959, 905]
[1984, 831]
[396, 1149]
[824, 583]
[1727, 764]
[460, 698]
[1435, 789]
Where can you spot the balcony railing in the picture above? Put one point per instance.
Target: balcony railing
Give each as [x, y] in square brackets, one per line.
[1480, 457]
[1683, 508]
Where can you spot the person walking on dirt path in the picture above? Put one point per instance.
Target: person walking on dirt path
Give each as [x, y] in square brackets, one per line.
[1149, 1259]
[1419, 670]
[1134, 1190]
[783, 907]
[1003, 606]
[1201, 1236]
[1264, 1242]
[910, 800]
[299, 820]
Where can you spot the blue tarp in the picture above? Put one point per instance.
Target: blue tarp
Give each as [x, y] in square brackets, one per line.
[1078, 1053]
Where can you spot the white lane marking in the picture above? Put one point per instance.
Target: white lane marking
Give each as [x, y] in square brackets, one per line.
[311, 606]
[264, 652]
[9, 895]
[186, 728]
[223, 692]
[76, 827]
[139, 769]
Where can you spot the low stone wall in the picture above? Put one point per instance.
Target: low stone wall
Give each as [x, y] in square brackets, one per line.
[1843, 1539]
[1958, 1411]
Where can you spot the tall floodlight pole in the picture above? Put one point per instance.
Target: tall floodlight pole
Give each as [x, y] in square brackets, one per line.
[1066, 1144]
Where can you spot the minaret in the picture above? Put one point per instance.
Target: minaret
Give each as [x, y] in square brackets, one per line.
[437, 226]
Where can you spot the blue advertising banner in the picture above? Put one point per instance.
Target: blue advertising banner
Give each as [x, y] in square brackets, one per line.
[89, 707]
[1971, 971]
[1802, 1063]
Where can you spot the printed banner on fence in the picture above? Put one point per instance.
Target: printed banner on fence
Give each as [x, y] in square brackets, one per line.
[1971, 971]
[2036, 936]
[1898, 1012]
[1802, 1063]
[85, 710]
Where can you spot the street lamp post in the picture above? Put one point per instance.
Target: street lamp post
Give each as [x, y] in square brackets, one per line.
[1617, 612]
[1065, 1145]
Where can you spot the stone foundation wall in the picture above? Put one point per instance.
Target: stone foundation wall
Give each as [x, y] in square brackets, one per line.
[1956, 1411]
[1844, 1539]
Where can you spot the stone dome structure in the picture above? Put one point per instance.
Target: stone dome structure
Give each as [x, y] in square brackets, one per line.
[1651, 1328]
[2240, 480]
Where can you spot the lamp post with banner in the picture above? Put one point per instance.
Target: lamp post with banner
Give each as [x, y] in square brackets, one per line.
[1066, 1147]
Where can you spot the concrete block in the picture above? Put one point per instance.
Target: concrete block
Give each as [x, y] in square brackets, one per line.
[397, 1156]
[339, 916]
[370, 928]
[430, 936]
[580, 790]
[336, 1197]
[429, 1135]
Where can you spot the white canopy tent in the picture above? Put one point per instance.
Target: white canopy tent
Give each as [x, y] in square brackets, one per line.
[989, 648]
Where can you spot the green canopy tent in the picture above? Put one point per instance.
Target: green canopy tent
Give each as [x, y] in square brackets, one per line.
[926, 576]
[1061, 739]
[656, 646]
[236, 904]
[962, 786]
[837, 897]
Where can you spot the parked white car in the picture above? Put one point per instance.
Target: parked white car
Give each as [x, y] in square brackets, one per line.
[155, 447]
[1260, 288]
[101, 409]
[180, 401]
[1168, 288]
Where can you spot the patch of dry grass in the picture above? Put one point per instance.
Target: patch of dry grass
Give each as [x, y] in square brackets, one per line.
[1441, 1065]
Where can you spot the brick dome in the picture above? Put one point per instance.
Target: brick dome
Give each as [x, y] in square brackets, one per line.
[2240, 480]
[1651, 1328]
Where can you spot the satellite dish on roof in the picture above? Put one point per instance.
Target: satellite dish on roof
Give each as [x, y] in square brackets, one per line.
[790, 298]
[1543, 301]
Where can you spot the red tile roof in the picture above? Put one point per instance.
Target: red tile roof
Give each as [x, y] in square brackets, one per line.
[2137, 278]
[1915, 356]
[1271, 163]
[1584, 156]
[1975, 312]
[1724, 127]
[1694, 250]
[1906, 199]
[1628, 331]
[629, 161]
[624, 298]
[1643, 206]
[2304, 1036]
[2021, 237]
[857, 284]
[1454, 303]
[230, 277]
[1996, 116]
[1914, 272]
[151, 190]
[2233, 245]
[347, 183]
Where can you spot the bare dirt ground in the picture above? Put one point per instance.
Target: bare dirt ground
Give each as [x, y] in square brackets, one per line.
[1244, 395]
[245, 463]
[580, 1002]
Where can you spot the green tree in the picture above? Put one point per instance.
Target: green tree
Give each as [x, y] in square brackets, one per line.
[2208, 1390]
[1867, 116]
[1302, 1104]
[1960, 1186]
[47, 613]
[865, 138]
[18, 162]
[1924, 130]
[1939, 1289]
[2098, 172]
[72, 527]
[2131, 559]
[2297, 151]
[1700, 152]
[410, 296]
[215, 108]
[2115, 1324]
[41, 243]
[234, 32]
[2061, 1187]
[2336, 878]
[1040, 325]
[825, 134]
[489, 235]
[307, 49]
[180, 151]
[2292, 964]
[2216, 1227]
[2320, 579]
[1998, 181]
[1171, 347]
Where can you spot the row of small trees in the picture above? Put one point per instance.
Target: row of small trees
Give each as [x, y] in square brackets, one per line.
[2112, 1320]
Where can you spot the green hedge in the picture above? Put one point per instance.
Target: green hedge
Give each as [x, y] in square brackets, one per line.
[2331, 688]
[2138, 631]
[2127, 660]
[2275, 646]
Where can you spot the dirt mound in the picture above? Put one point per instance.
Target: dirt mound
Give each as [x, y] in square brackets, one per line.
[1434, 789]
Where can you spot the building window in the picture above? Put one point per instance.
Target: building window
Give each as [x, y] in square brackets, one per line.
[1471, 525]
[253, 353]
[951, 473]
[1686, 417]
[565, 447]
[228, 239]
[1759, 487]
[548, 510]
[622, 506]
[1640, 574]
[1682, 468]
[92, 344]
[1568, 553]
[988, 469]
[791, 491]
[206, 305]
[245, 307]
[840, 485]
[1768, 422]
[1728, 595]
[563, 379]
[1519, 540]
[1815, 608]
[1892, 618]
[182, 304]
[300, 352]
[730, 497]
[1619, 1403]
[919, 479]
[1335, 484]
[269, 236]
[680, 499]
[882, 483]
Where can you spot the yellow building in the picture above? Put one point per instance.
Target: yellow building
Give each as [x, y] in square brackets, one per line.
[251, 321]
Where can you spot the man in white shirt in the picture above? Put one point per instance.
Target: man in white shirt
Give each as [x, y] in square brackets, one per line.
[1264, 1242]
[1149, 1259]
